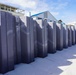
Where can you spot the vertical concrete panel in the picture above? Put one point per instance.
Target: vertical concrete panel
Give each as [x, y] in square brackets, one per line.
[35, 39]
[65, 36]
[59, 36]
[14, 39]
[45, 36]
[51, 37]
[41, 36]
[31, 31]
[10, 41]
[73, 34]
[26, 42]
[69, 36]
[3, 44]
[18, 40]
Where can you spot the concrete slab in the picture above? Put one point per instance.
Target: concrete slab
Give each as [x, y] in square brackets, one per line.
[73, 34]
[3, 43]
[27, 40]
[10, 41]
[18, 41]
[52, 37]
[35, 39]
[69, 36]
[59, 36]
[65, 36]
[42, 38]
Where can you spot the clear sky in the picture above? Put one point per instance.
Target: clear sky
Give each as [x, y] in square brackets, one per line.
[61, 9]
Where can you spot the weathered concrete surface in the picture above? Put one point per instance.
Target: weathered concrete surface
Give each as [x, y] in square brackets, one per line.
[59, 36]
[52, 37]
[65, 36]
[27, 40]
[69, 36]
[42, 38]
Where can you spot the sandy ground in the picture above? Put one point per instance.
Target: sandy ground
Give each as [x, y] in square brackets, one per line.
[61, 63]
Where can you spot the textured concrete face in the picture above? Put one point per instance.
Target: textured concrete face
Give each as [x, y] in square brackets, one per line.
[35, 39]
[65, 36]
[73, 34]
[69, 36]
[32, 38]
[18, 40]
[14, 38]
[6, 42]
[51, 37]
[46, 37]
[3, 44]
[59, 36]
[10, 41]
[27, 40]
[42, 38]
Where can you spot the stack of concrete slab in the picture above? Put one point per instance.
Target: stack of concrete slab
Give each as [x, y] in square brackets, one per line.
[69, 36]
[51, 37]
[73, 34]
[65, 36]
[6, 42]
[42, 38]
[22, 39]
[59, 36]
[27, 39]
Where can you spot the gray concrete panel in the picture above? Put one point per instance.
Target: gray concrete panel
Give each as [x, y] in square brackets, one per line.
[69, 36]
[10, 41]
[3, 44]
[35, 39]
[65, 36]
[59, 36]
[73, 34]
[26, 40]
[51, 37]
[42, 38]
[18, 40]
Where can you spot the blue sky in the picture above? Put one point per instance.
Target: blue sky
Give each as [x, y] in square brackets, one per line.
[61, 9]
